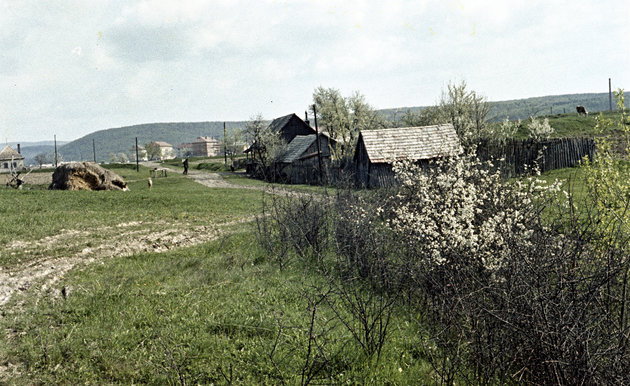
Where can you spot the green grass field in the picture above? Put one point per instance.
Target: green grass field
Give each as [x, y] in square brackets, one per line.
[570, 125]
[219, 311]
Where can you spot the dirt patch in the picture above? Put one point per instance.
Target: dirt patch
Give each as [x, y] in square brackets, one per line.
[93, 245]
[31, 179]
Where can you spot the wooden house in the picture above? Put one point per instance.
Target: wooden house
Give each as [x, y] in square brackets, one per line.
[288, 126]
[377, 149]
[11, 159]
[300, 163]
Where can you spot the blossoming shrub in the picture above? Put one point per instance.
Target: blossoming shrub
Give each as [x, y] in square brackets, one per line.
[508, 281]
[509, 276]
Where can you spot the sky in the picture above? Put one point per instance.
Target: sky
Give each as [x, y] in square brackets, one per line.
[72, 67]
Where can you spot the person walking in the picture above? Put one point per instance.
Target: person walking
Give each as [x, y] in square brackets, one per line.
[186, 166]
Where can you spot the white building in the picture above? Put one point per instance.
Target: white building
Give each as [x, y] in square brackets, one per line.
[10, 160]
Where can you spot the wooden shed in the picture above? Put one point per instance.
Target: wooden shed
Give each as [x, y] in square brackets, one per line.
[377, 149]
[300, 163]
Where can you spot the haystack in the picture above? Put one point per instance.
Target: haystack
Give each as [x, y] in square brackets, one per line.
[86, 176]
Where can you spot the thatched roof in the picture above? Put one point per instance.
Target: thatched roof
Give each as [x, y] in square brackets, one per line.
[8, 153]
[412, 143]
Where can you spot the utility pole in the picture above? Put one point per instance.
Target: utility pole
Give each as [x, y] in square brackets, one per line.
[94, 150]
[137, 159]
[55, 150]
[224, 145]
[319, 150]
[609, 94]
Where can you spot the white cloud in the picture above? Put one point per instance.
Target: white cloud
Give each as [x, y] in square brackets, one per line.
[74, 65]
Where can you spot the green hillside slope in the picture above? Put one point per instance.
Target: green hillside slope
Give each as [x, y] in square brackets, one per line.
[525, 108]
[122, 139]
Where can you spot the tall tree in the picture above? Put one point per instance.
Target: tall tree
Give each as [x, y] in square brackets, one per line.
[467, 111]
[344, 118]
[153, 151]
[266, 143]
[41, 159]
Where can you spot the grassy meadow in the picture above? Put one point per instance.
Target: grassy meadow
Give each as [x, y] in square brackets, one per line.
[216, 312]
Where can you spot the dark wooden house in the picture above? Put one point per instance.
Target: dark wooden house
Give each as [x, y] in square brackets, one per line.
[288, 126]
[300, 164]
[377, 149]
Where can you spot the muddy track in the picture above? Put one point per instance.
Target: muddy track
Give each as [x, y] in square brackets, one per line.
[88, 246]
[46, 260]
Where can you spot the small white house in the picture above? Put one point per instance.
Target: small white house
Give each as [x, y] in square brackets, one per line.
[10, 160]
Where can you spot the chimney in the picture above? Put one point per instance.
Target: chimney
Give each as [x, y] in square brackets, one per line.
[19, 151]
[306, 118]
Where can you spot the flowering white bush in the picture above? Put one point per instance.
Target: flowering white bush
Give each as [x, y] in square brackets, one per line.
[538, 129]
[461, 211]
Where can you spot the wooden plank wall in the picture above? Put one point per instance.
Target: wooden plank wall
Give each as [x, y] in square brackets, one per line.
[521, 156]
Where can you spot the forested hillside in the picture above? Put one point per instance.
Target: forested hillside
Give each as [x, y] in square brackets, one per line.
[122, 139]
[525, 108]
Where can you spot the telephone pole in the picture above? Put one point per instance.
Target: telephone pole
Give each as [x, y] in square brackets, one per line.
[609, 94]
[319, 151]
[224, 145]
[55, 150]
[137, 159]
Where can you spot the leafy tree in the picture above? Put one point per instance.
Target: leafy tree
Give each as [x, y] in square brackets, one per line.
[267, 144]
[608, 176]
[113, 158]
[233, 144]
[41, 159]
[122, 157]
[344, 118]
[185, 152]
[467, 111]
[153, 150]
[425, 117]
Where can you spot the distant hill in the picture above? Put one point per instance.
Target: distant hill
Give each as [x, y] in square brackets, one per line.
[30, 149]
[525, 108]
[123, 139]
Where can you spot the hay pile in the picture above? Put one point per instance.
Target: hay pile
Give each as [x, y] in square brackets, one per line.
[86, 176]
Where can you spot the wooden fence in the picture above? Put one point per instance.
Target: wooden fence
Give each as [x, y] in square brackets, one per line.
[521, 156]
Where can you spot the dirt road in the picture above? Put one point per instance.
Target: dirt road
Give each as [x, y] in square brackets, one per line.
[86, 246]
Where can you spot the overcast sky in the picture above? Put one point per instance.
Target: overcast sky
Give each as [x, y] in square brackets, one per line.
[73, 67]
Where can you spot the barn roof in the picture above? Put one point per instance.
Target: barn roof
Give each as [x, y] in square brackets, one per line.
[297, 147]
[8, 153]
[413, 143]
[278, 123]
